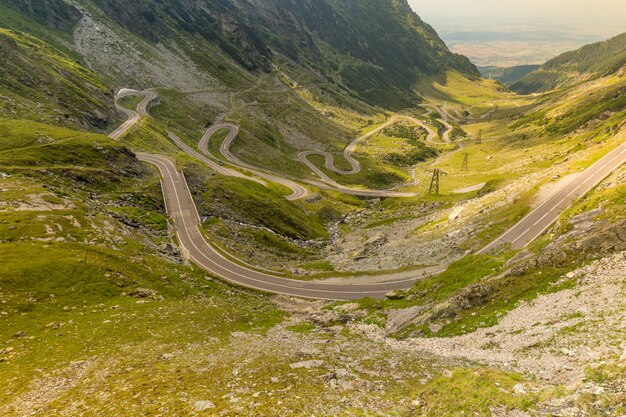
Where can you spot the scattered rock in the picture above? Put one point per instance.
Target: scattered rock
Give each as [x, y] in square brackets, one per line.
[435, 328]
[519, 389]
[203, 405]
[396, 319]
[347, 308]
[19, 334]
[588, 238]
[307, 364]
[395, 295]
[144, 293]
[345, 385]
[171, 252]
[314, 198]
[456, 213]
[309, 350]
[375, 241]
[360, 254]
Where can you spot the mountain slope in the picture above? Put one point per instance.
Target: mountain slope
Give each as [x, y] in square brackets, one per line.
[375, 50]
[53, 14]
[378, 49]
[38, 82]
[590, 61]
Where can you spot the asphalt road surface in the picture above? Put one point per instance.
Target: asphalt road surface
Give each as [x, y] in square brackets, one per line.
[211, 163]
[540, 219]
[132, 115]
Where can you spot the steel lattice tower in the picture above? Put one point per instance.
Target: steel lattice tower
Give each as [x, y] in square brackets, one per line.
[434, 182]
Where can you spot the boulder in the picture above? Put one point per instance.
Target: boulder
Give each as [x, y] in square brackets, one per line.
[395, 295]
[143, 293]
[397, 319]
[203, 405]
[435, 328]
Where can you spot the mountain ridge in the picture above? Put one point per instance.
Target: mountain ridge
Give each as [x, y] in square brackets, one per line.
[590, 61]
[379, 60]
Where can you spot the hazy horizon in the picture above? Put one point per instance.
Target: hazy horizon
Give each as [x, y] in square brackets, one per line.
[492, 32]
[557, 12]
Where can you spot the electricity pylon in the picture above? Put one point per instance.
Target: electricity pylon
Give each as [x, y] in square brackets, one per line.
[434, 182]
[465, 166]
[479, 138]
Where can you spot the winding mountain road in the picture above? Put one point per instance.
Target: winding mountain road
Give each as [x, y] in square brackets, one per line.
[132, 115]
[442, 112]
[181, 208]
[443, 120]
[215, 165]
[347, 153]
[484, 116]
[297, 190]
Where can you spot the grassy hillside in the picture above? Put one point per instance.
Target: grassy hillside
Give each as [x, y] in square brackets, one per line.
[81, 230]
[38, 82]
[377, 49]
[590, 61]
